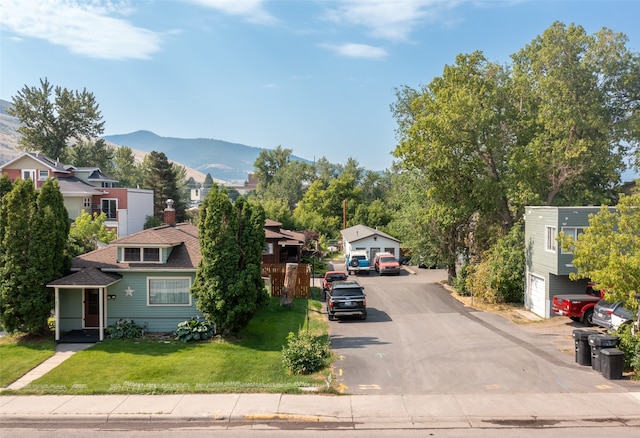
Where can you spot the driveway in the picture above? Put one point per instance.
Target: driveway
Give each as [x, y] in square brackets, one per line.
[418, 339]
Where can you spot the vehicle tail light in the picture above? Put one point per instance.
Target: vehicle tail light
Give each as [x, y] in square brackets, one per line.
[609, 312]
[330, 303]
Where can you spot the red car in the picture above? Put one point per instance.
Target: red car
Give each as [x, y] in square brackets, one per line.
[329, 278]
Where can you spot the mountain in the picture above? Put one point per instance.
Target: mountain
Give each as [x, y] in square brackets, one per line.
[225, 161]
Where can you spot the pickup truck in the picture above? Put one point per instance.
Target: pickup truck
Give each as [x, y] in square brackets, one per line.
[358, 261]
[578, 307]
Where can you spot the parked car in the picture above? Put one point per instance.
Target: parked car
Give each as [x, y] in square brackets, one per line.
[346, 298]
[611, 315]
[578, 307]
[386, 263]
[357, 261]
[330, 277]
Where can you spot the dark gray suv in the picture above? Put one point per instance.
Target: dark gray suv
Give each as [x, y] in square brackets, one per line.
[346, 298]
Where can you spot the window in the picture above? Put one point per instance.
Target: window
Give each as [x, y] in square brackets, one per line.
[169, 291]
[86, 203]
[29, 173]
[572, 232]
[141, 254]
[132, 254]
[151, 254]
[43, 175]
[109, 207]
[550, 239]
[268, 249]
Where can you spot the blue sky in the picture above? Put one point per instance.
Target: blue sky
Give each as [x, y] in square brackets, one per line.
[317, 77]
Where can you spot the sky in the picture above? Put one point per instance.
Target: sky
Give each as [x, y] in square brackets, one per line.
[318, 77]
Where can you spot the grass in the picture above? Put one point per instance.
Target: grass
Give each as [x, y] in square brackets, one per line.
[252, 362]
[19, 354]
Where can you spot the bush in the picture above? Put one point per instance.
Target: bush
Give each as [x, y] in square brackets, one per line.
[305, 354]
[195, 329]
[125, 329]
[630, 345]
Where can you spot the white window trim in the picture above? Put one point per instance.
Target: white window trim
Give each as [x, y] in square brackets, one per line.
[550, 242]
[40, 176]
[141, 259]
[168, 305]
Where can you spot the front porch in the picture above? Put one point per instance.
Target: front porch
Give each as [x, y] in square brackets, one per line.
[84, 336]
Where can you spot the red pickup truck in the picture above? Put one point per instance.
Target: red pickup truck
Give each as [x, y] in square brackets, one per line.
[578, 307]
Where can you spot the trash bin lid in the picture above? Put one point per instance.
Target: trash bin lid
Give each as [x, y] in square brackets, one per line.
[611, 352]
[609, 341]
[594, 340]
[581, 334]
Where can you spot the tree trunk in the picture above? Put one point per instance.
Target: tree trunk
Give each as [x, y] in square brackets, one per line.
[290, 277]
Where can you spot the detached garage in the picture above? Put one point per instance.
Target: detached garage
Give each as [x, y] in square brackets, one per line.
[361, 237]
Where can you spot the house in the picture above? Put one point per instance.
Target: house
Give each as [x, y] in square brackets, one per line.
[361, 237]
[88, 189]
[146, 277]
[547, 265]
[283, 246]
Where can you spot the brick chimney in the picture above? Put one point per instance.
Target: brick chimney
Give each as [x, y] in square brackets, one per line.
[170, 213]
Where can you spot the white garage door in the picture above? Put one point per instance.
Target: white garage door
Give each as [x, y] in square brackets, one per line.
[537, 295]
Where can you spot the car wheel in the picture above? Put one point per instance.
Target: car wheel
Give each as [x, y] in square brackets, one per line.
[363, 316]
[587, 319]
[354, 263]
[331, 317]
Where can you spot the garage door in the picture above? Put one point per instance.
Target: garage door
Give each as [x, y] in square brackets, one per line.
[537, 295]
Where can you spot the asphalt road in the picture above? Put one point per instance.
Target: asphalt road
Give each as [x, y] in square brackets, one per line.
[418, 339]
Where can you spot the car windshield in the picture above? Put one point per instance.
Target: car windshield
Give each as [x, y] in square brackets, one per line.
[347, 292]
[333, 277]
[387, 259]
[359, 257]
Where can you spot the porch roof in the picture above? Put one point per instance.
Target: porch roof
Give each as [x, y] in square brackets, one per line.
[87, 277]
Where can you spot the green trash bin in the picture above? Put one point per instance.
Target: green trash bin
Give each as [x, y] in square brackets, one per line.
[612, 363]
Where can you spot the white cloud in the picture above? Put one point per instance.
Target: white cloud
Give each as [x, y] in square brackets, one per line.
[250, 10]
[388, 19]
[353, 50]
[85, 28]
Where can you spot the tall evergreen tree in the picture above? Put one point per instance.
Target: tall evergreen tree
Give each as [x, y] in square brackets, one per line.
[126, 170]
[160, 175]
[34, 229]
[228, 285]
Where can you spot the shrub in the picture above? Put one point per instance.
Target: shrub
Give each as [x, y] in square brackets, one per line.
[125, 329]
[630, 345]
[194, 329]
[305, 354]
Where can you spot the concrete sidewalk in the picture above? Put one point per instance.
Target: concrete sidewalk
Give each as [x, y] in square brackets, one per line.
[433, 411]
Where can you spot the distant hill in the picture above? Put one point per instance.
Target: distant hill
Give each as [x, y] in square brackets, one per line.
[225, 161]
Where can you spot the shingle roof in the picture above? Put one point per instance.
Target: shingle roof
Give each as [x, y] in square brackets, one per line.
[87, 277]
[184, 255]
[359, 232]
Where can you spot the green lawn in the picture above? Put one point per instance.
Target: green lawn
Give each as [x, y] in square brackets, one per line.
[19, 354]
[250, 363]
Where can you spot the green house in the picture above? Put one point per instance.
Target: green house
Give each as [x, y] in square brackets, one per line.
[145, 277]
[547, 265]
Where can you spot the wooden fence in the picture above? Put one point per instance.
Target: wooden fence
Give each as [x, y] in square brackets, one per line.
[274, 278]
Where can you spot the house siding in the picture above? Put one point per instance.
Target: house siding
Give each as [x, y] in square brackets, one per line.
[553, 267]
[135, 307]
[71, 302]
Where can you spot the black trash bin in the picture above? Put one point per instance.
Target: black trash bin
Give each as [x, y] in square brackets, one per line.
[612, 363]
[597, 342]
[583, 351]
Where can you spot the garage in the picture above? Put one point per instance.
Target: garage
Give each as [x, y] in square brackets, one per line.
[537, 295]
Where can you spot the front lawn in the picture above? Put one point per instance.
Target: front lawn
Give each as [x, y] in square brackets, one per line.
[250, 363]
[19, 354]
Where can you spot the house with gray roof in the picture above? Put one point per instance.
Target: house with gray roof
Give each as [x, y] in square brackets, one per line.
[361, 237]
[88, 189]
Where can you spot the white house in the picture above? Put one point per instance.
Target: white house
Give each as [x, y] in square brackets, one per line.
[361, 237]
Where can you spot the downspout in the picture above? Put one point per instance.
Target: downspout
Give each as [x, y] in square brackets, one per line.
[100, 312]
[57, 312]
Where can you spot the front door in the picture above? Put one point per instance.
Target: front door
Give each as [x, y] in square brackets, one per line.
[91, 308]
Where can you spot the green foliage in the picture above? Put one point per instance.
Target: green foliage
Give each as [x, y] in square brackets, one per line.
[608, 252]
[499, 277]
[125, 169]
[194, 329]
[630, 345]
[166, 180]
[125, 329]
[93, 154]
[305, 353]
[46, 124]
[33, 236]
[228, 284]
[86, 231]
